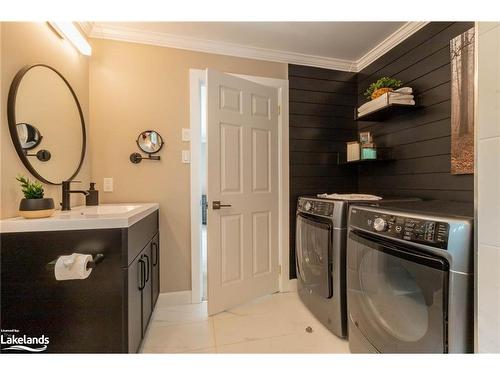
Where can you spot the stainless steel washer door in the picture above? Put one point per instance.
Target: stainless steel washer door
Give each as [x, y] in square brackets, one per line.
[397, 297]
[393, 296]
[314, 249]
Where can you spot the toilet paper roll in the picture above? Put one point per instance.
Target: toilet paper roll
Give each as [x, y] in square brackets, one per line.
[72, 267]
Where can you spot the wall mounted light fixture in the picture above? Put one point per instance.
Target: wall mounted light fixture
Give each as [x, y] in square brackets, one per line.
[69, 31]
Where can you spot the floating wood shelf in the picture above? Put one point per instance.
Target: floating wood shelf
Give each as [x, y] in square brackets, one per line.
[384, 155]
[366, 161]
[381, 114]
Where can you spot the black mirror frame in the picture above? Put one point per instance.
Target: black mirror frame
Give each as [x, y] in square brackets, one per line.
[11, 119]
[140, 148]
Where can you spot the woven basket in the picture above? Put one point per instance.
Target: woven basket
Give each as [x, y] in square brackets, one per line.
[380, 92]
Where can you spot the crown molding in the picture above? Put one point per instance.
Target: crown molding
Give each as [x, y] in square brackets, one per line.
[408, 29]
[86, 27]
[125, 34]
[221, 48]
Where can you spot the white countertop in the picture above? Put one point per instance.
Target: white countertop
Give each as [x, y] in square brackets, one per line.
[119, 215]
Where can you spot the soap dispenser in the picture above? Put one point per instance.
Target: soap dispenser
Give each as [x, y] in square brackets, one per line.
[92, 199]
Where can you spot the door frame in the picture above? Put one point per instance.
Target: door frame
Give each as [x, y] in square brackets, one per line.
[196, 78]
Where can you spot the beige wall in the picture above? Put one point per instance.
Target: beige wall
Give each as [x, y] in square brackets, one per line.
[24, 43]
[136, 87]
[132, 88]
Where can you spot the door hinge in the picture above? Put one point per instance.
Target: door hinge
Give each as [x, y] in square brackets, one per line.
[279, 110]
[279, 269]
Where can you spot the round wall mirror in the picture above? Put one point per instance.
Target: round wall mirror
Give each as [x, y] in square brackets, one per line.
[150, 142]
[41, 101]
[29, 137]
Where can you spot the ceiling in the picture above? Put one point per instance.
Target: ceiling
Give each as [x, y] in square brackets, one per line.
[341, 45]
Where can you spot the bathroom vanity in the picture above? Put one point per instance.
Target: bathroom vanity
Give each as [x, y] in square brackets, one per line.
[109, 311]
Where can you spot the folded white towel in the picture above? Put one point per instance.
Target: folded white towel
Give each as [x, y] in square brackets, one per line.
[404, 90]
[391, 100]
[350, 197]
[394, 96]
[383, 99]
[373, 103]
[403, 101]
[396, 101]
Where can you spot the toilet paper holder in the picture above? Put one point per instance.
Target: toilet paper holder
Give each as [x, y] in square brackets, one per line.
[98, 258]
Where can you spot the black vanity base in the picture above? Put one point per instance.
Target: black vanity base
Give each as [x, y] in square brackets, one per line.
[106, 313]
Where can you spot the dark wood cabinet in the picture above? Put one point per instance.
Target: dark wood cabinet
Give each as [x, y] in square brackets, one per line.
[147, 306]
[135, 274]
[155, 273]
[143, 290]
[108, 312]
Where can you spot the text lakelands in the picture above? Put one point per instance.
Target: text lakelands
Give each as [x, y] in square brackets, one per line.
[23, 340]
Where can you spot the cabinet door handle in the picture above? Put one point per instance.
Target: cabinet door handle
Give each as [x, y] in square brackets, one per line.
[155, 253]
[157, 257]
[144, 274]
[147, 269]
[141, 281]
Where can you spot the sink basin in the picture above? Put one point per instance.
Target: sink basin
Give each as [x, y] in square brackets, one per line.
[94, 217]
[108, 209]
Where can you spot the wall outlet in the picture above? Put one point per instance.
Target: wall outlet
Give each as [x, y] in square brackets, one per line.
[186, 134]
[186, 156]
[107, 184]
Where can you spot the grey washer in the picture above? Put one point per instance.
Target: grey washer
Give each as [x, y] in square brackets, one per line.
[454, 333]
[325, 295]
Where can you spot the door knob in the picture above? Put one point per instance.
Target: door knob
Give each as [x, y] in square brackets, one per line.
[216, 205]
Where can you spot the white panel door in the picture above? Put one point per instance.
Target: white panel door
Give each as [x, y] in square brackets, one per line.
[242, 153]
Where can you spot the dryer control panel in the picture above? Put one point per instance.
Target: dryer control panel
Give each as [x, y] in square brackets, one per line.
[315, 207]
[428, 232]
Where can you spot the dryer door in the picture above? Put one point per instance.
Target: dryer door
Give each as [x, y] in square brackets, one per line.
[397, 295]
[314, 253]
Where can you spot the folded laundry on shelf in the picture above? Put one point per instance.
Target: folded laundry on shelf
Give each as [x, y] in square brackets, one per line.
[371, 109]
[392, 99]
[387, 98]
[404, 90]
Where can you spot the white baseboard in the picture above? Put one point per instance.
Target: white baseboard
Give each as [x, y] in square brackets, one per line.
[290, 286]
[182, 297]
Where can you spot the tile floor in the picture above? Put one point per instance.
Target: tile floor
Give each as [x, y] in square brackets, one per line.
[271, 324]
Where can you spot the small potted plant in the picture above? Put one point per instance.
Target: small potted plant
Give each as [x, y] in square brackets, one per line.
[383, 85]
[34, 205]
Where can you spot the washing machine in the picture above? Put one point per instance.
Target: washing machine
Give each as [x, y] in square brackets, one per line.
[410, 278]
[321, 227]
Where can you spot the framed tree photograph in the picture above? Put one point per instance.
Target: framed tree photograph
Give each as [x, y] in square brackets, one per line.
[462, 103]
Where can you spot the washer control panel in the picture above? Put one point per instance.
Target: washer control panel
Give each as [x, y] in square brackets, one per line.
[429, 232]
[315, 207]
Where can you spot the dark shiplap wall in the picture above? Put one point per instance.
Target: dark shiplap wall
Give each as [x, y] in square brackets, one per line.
[420, 138]
[321, 121]
[322, 103]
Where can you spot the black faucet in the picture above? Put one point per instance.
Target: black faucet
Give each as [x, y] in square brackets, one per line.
[66, 192]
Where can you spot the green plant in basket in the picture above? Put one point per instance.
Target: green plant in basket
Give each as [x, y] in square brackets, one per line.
[30, 189]
[34, 205]
[380, 87]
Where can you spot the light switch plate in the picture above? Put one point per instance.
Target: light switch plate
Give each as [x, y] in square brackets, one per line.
[186, 156]
[186, 134]
[107, 184]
